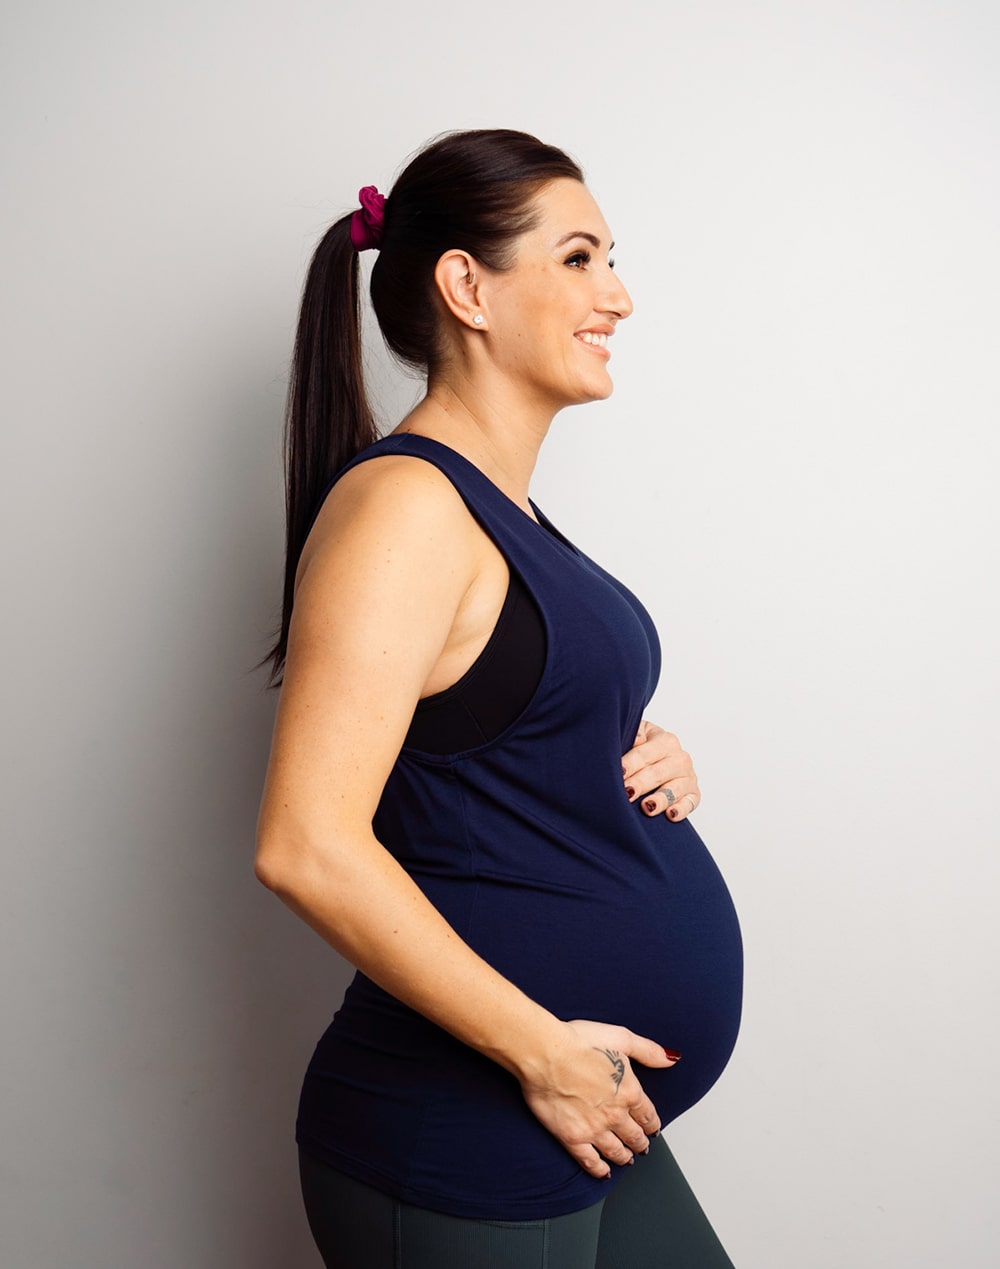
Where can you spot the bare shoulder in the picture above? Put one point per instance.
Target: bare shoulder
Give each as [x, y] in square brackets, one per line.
[393, 476]
[395, 545]
[399, 503]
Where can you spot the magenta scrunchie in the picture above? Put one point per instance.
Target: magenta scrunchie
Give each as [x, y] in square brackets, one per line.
[366, 223]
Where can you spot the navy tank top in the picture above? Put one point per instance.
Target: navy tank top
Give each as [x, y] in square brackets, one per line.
[530, 848]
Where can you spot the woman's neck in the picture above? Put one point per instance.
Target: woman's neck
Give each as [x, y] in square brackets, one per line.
[500, 437]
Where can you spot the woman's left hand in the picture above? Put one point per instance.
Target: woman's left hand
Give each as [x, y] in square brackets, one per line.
[658, 772]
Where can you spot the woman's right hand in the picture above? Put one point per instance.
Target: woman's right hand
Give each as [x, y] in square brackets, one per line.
[590, 1099]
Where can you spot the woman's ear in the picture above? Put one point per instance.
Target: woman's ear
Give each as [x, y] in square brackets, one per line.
[456, 278]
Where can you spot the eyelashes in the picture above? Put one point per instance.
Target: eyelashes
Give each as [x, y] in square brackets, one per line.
[580, 259]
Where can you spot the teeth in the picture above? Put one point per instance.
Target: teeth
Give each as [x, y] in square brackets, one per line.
[589, 337]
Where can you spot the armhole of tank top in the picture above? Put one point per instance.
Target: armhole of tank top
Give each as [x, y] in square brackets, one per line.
[493, 692]
[536, 608]
[518, 591]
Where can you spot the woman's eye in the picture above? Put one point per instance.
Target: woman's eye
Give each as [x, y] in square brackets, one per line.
[578, 259]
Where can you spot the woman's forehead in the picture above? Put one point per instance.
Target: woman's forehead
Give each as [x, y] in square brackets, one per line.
[567, 210]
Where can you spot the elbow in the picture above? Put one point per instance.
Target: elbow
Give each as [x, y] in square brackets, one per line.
[294, 866]
[306, 867]
[264, 870]
[272, 865]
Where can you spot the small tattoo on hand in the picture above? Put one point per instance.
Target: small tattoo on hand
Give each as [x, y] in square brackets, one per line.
[670, 796]
[618, 1074]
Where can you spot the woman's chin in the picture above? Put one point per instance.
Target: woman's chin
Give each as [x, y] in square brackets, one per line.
[602, 389]
[596, 390]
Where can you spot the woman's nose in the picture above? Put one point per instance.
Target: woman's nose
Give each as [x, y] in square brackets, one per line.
[616, 299]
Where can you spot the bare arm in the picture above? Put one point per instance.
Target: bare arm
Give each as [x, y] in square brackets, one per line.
[387, 591]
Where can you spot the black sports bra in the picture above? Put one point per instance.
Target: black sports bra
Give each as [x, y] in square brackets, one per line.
[494, 690]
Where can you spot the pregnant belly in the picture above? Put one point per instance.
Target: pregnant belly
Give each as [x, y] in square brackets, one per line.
[398, 1103]
[655, 948]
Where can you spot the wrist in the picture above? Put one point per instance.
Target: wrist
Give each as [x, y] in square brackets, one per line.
[533, 1051]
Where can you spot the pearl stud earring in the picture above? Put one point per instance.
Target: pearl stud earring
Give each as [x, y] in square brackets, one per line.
[478, 319]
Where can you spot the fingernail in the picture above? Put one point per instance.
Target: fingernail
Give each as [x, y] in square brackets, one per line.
[630, 791]
[673, 813]
[631, 1161]
[672, 1054]
[650, 806]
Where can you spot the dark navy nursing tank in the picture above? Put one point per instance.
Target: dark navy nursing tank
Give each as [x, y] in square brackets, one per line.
[529, 847]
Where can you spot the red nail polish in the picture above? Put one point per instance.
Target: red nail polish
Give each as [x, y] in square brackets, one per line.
[650, 806]
[672, 1054]
[672, 813]
[630, 791]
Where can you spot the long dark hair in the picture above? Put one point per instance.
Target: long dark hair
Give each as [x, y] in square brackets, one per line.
[467, 191]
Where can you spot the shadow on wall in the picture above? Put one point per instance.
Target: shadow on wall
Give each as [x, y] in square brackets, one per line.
[227, 990]
[283, 981]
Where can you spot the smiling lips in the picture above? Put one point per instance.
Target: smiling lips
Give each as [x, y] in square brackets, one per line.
[597, 341]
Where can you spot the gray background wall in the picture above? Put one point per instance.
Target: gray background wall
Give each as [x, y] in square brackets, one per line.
[797, 472]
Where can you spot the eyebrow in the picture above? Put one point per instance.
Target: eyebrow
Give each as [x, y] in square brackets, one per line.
[582, 233]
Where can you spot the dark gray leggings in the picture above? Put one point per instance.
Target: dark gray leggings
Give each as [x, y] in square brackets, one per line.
[650, 1220]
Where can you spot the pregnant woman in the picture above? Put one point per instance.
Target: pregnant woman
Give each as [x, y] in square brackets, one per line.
[463, 797]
